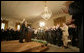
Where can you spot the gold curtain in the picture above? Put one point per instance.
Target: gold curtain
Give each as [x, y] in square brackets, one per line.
[60, 21]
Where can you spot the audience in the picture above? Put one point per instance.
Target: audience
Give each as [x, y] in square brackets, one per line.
[51, 35]
[9, 34]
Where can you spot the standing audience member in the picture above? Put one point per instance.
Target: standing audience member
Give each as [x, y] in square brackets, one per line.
[59, 35]
[73, 34]
[65, 35]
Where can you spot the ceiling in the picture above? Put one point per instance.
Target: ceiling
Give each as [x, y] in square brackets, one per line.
[30, 10]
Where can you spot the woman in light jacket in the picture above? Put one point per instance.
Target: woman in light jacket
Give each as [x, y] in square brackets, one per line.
[65, 35]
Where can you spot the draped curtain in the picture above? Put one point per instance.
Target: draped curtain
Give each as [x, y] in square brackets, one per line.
[60, 21]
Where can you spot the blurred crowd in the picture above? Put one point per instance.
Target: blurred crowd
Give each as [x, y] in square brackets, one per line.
[54, 35]
[9, 34]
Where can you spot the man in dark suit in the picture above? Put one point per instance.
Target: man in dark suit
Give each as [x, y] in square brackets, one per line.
[22, 32]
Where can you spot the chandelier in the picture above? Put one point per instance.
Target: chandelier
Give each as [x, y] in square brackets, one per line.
[46, 14]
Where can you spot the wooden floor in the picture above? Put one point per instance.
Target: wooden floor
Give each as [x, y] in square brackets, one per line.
[15, 46]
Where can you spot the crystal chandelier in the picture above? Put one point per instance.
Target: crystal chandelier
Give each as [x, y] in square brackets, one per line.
[46, 14]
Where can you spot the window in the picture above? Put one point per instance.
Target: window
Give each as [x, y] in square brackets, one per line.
[18, 27]
[2, 25]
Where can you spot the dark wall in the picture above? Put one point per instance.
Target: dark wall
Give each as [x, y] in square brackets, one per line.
[76, 10]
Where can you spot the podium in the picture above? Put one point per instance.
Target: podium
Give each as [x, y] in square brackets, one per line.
[28, 37]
